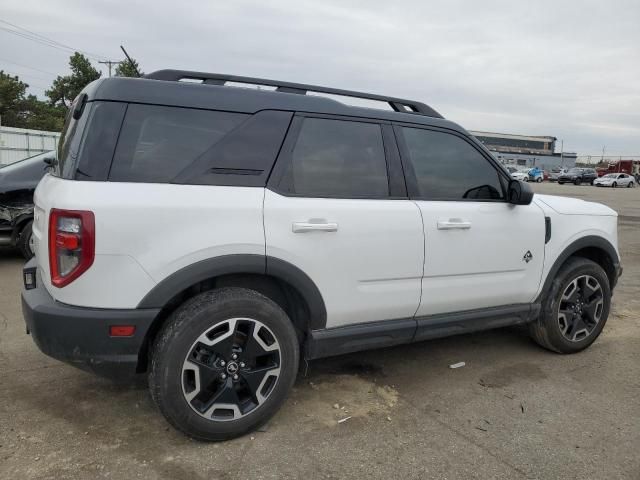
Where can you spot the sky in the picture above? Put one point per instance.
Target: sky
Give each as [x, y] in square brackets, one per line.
[570, 69]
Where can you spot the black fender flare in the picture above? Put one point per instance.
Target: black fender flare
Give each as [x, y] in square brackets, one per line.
[188, 276]
[588, 241]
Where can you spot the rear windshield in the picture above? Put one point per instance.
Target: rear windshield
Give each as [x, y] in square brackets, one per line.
[69, 144]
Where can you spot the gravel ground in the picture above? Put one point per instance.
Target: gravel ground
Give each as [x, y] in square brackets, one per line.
[514, 411]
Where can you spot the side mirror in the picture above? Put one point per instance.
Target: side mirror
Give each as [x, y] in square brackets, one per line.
[50, 161]
[519, 193]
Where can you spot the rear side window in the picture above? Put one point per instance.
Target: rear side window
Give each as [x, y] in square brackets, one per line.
[156, 143]
[448, 168]
[336, 158]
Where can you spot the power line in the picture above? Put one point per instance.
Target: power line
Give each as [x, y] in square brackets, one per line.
[41, 39]
[26, 66]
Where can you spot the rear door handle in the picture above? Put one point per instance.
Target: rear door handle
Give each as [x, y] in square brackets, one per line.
[303, 227]
[453, 224]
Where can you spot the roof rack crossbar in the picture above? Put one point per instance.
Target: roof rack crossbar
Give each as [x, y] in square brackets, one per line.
[397, 104]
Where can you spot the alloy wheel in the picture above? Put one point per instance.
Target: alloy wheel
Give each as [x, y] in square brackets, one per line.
[231, 369]
[581, 307]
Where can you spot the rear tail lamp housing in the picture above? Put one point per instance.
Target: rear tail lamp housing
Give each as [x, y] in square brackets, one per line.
[71, 244]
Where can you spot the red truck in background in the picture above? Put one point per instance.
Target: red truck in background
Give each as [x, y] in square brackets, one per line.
[631, 167]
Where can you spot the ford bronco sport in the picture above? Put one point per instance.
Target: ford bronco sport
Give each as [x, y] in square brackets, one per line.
[212, 237]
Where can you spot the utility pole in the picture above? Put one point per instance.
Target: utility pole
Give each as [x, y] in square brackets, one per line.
[109, 64]
[602, 158]
[562, 153]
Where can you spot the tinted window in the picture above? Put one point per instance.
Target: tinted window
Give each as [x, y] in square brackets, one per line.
[70, 139]
[96, 151]
[449, 168]
[335, 158]
[157, 143]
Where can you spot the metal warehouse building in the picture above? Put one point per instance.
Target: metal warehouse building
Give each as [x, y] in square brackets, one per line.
[526, 150]
[19, 143]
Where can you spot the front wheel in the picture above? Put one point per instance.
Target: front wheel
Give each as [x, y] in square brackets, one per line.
[224, 363]
[577, 181]
[631, 185]
[614, 185]
[575, 309]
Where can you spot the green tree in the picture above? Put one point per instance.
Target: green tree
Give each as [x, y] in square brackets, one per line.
[65, 89]
[12, 92]
[17, 109]
[128, 68]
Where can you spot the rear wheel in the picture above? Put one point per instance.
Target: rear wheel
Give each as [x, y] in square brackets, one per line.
[630, 185]
[539, 180]
[224, 363]
[26, 242]
[575, 309]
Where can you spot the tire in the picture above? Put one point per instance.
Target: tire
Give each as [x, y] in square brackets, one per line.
[538, 180]
[553, 329]
[178, 359]
[630, 185]
[577, 181]
[560, 183]
[25, 241]
[614, 185]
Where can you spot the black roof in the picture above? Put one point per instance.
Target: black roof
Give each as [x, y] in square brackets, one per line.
[164, 88]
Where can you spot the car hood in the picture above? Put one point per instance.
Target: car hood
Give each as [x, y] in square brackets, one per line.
[574, 206]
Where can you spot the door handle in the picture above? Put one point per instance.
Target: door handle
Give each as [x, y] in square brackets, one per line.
[303, 227]
[453, 224]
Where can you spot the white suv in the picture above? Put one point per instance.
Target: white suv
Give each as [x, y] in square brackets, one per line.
[211, 236]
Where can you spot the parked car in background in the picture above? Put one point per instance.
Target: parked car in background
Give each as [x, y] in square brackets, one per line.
[615, 180]
[17, 183]
[556, 172]
[578, 176]
[536, 175]
[522, 175]
[528, 175]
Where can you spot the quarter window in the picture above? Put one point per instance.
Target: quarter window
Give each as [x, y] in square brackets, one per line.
[336, 158]
[157, 143]
[449, 168]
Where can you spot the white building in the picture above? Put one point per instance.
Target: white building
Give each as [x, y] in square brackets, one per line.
[19, 143]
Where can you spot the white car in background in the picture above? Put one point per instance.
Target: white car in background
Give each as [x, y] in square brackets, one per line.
[522, 175]
[615, 180]
[556, 172]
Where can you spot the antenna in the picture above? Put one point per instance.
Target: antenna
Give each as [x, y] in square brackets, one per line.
[130, 61]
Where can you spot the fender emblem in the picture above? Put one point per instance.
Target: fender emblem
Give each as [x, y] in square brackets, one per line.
[527, 256]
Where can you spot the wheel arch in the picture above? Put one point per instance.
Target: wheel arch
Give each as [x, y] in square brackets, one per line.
[284, 283]
[592, 247]
[18, 225]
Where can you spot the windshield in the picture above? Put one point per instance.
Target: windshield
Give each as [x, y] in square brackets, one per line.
[575, 170]
[611, 175]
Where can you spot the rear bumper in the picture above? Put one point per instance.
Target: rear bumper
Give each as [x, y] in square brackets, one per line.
[80, 336]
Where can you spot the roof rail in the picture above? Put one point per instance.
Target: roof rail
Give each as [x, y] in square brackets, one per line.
[397, 104]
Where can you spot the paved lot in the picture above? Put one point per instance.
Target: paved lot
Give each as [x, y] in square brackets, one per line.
[514, 411]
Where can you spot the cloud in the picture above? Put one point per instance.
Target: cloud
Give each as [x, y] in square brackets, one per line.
[563, 68]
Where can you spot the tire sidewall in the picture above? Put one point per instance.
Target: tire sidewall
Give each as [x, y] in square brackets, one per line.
[549, 316]
[23, 243]
[191, 320]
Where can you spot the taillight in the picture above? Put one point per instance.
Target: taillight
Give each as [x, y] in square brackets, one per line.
[71, 244]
